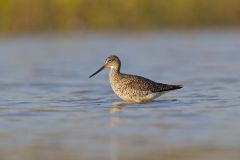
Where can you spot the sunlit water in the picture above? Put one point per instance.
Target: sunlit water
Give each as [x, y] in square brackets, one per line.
[50, 109]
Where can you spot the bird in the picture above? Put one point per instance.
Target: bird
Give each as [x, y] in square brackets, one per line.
[132, 88]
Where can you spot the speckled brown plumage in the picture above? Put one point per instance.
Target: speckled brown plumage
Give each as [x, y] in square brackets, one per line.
[144, 84]
[133, 88]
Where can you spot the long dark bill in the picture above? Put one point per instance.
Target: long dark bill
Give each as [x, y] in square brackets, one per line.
[97, 71]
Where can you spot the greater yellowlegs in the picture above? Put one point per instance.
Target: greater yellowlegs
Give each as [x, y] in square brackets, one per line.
[132, 88]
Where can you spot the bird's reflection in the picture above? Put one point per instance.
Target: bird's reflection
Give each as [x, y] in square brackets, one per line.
[115, 122]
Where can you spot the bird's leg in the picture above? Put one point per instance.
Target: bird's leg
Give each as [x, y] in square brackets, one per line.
[121, 103]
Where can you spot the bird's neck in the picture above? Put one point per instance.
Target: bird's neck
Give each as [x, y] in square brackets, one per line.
[115, 70]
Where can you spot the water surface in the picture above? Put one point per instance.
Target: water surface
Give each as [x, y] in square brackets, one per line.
[50, 109]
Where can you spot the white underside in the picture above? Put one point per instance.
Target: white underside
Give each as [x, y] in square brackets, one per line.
[149, 97]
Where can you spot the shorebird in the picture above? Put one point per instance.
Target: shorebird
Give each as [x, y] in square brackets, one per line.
[133, 88]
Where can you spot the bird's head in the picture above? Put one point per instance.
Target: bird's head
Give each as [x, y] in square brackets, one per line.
[112, 62]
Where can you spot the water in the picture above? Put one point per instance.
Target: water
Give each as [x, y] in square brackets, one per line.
[50, 109]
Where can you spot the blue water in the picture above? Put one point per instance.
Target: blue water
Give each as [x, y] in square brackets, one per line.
[50, 109]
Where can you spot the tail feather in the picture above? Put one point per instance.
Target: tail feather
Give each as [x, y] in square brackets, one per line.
[167, 87]
[176, 86]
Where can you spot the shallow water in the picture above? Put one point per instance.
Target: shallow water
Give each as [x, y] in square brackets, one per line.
[50, 109]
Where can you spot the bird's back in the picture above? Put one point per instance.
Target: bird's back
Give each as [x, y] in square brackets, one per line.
[143, 84]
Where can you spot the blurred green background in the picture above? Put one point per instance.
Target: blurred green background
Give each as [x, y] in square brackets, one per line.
[74, 15]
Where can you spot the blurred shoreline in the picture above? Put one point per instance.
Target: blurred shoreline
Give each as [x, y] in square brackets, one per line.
[119, 32]
[31, 16]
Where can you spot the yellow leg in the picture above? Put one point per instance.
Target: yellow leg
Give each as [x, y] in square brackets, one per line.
[121, 103]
